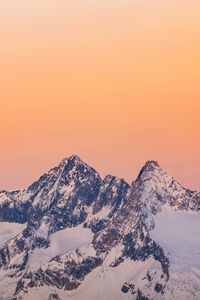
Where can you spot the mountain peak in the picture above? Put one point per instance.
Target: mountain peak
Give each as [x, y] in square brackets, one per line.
[72, 159]
[150, 167]
[73, 164]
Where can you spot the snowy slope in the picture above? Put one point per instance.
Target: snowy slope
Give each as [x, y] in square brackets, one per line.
[178, 232]
[104, 283]
[61, 242]
[9, 231]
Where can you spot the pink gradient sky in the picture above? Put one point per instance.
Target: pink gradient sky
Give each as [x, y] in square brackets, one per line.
[116, 82]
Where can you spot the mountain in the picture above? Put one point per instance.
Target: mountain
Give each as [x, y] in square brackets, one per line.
[72, 235]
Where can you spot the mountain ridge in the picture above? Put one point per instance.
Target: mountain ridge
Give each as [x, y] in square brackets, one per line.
[117, 218]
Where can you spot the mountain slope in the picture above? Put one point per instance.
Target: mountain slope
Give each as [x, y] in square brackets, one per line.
[84, 237]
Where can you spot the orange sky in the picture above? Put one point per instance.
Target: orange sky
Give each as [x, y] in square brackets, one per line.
[116, 82]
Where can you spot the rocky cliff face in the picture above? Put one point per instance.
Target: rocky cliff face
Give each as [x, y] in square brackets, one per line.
[82, 230]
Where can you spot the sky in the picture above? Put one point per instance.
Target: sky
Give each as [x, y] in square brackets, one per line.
[115, 82]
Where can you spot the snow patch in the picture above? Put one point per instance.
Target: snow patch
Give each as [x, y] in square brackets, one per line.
[42, 231]
[9, 231]
[60, 243]
[178, 233]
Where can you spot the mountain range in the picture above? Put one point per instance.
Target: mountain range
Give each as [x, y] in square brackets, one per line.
[72, 235]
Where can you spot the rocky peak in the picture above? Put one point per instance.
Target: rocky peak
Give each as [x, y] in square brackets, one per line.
[149, 170]
[72, 160]
[76, 169]
[151, 165]
[75, 159]
[154, 187]
[70, 171]
[64, 194]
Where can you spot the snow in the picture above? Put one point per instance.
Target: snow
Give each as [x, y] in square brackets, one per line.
[18, 196]
[3, 197]
[8, 284]
[184, 286]
[9, 231]
[24, 196]
[68, 189]
[61, 242]
[178, 232]
[104, 282]
[103, 213]
[42, 231]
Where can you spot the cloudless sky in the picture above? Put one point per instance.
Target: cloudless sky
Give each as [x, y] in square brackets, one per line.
[116, 82]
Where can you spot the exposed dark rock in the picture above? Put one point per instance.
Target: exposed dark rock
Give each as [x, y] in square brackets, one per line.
[125, 289]
[54, 297]
[158, 287]
[140, 296]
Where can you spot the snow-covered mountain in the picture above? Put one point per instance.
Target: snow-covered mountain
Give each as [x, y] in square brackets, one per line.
[72, 235]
